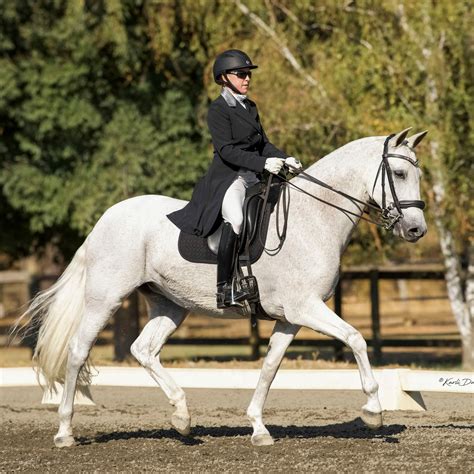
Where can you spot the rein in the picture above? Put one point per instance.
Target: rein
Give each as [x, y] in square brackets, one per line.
[388, 218]
[285, 197]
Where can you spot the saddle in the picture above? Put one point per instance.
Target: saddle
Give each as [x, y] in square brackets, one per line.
[260, 200]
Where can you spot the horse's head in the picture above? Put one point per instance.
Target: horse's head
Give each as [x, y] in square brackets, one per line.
[395, 186]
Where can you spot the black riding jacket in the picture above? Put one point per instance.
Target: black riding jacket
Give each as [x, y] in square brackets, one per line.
[239, 142]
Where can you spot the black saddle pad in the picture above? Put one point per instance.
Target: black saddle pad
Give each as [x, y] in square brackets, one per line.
[196, 249]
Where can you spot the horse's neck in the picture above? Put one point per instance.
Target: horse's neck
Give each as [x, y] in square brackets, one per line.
[344, 169]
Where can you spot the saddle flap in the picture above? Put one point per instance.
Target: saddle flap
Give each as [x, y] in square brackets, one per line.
[251, 209]
[214, 239]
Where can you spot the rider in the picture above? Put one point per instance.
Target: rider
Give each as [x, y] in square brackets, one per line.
[242, 152]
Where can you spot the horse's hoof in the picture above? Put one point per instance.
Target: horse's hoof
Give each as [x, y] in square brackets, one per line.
[63, 441]
[372, 420]
[181, 424]
[262, 440]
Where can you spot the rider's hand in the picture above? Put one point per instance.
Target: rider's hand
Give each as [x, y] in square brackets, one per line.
[274, 165]
[293, 164]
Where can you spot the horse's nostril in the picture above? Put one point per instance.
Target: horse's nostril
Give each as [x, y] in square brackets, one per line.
[414, 231]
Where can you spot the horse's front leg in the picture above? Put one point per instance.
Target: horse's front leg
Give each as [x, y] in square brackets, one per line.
[283, 334]
[316, 315]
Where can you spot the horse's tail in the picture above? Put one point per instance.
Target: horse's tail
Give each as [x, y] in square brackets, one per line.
[58, 311]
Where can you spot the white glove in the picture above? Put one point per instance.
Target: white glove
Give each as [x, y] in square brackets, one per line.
[274, 165]
[293, 164]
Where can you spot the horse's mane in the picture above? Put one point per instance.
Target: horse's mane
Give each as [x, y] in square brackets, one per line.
[346, 150]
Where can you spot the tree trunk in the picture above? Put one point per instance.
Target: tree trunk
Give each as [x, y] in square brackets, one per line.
[468, 344]
[459, 303]
[467, 349]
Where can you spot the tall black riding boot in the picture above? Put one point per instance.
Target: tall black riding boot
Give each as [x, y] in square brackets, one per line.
[226, 294]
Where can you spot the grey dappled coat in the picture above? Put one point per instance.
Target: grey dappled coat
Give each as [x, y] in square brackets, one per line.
[239, 142]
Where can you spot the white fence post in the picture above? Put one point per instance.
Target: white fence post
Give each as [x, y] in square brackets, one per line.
[391, 394]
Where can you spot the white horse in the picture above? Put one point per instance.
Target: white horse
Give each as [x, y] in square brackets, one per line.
[134, 245]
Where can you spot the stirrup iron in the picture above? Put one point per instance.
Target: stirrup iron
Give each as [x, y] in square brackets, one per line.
[228, 296]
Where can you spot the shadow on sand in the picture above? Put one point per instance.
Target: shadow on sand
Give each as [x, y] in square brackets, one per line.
[352, 430]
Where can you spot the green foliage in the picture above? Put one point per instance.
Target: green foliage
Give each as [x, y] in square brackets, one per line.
[87, 117]
[103, 100]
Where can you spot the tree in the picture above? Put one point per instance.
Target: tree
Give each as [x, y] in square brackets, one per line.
[87, 117]
[104, 100]
[383, 67]
[448, 103]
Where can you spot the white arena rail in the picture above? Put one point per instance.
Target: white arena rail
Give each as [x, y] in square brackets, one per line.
[400, 389]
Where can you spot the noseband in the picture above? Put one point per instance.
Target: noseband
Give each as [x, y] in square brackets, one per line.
[397, 205]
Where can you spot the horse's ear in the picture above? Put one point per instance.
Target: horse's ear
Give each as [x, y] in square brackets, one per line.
[399, 138]
[415, 139]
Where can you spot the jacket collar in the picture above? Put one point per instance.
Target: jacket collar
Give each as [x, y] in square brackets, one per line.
[232, 102]
[229, 97]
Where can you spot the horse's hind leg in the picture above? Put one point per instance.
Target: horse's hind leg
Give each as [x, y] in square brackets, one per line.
[97, 312]
[283, 334]
[316, 315]
[166, 318]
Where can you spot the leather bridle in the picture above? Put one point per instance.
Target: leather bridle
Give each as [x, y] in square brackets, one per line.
[389, 214]
[387, 210]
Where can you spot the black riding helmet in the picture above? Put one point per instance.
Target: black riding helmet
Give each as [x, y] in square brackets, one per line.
[231, 60]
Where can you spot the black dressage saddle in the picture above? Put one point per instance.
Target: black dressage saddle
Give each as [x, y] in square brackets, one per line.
[260, 200]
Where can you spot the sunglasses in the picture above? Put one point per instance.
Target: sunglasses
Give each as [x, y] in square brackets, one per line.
[241, 74]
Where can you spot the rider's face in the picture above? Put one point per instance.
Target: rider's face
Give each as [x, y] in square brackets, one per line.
[242, 84]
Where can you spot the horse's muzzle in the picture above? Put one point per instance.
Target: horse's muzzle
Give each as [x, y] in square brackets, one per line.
[412, 227]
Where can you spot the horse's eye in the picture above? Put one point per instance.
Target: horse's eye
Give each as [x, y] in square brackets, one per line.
[400, 174]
